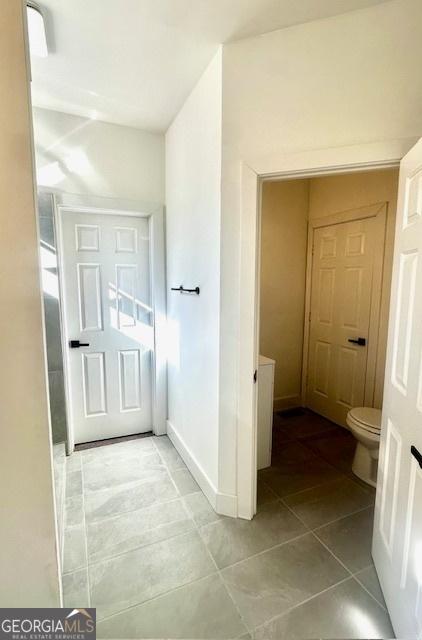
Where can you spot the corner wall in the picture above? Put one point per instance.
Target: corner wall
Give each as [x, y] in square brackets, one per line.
[193, 183]
[284, 232]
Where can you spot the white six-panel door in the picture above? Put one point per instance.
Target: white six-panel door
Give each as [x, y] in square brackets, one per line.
[341, 298]
[107, 306]
[397, 544]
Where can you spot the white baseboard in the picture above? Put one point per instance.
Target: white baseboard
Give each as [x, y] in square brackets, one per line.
[222, 503]
[287, 402]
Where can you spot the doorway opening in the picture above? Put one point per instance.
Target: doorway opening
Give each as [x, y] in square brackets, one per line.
[325, 264]
[326, 250]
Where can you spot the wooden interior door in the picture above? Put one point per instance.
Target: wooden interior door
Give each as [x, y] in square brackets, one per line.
[107, 309]
[340, 315]
[397, 542]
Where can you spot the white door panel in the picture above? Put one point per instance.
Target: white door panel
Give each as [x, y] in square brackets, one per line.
[341, 298]
[107, 305]
[397, 545]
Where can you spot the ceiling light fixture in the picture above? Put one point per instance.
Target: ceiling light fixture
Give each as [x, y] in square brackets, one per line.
[36, 30]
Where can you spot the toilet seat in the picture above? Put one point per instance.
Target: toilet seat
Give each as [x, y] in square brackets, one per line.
[366, 418]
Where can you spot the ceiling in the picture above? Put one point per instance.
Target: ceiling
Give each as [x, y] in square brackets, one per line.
[134, 62]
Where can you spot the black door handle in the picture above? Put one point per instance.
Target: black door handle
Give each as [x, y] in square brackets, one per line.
[360, 341]
[75, 344]
[416, 454]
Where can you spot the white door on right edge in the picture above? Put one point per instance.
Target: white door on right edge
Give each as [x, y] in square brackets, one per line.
[397, 543]
[341, 294]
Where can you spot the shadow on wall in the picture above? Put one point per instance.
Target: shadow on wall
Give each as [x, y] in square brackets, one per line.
[52, 317]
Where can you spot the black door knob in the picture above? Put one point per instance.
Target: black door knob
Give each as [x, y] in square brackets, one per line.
[75, 344]
[360, 341]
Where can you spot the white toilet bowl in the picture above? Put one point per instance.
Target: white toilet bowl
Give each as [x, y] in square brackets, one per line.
[365, 424]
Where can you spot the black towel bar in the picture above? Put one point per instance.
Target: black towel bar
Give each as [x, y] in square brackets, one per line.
[182, 289]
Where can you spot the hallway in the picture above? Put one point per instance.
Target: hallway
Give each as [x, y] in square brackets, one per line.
[144, 547]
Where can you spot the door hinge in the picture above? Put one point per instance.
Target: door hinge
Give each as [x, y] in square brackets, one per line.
[255, 375]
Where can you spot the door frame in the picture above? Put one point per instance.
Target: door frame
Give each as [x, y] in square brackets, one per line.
[306, 164]
[67, 204]
[379, 212]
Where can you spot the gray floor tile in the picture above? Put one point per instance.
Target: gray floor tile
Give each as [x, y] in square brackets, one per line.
[350, 539]
[264, 494]
[297, 476]
[73, 484]
[169, 454]
[329, 502]
[184, 482]
[109, 472]
[368, 577]
[202, 609]
[338, 448]
[234, 539]
[288, 452]
[75, 589]
[116, 535]
[309, 424]
[125, 498]
[128, 449]
[270, 583]
[200, 509]
[74, 552]
[74, 462]
[140, 575]
[345, 611]
[74, 512]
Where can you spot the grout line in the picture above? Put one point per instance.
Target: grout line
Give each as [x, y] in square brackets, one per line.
[218, 571]
[157, 597]
[260, 553]
[299, 604]
[348, 515]
[315, 486]
[333, 554]
[85, 536]
[141, 546]
[115, 516]
[355, 576]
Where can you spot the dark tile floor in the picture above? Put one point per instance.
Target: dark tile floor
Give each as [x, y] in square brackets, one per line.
[143, 545]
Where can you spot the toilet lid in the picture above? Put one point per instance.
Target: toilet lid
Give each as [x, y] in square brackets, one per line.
[367, 416]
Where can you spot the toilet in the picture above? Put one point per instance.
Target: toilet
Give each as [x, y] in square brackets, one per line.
[365, 424]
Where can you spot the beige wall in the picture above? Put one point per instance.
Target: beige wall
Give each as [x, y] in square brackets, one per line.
[332, 194]
[28, 557]
[283, 265]
[285, 210]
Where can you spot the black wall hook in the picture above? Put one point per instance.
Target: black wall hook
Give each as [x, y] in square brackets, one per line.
[182, 289]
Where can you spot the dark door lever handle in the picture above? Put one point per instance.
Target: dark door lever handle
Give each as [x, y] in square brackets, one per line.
[360, 341]
[75, 344]
[416, 454]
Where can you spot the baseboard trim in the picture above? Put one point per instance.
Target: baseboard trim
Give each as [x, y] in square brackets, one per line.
[287, 402]
[222, 503]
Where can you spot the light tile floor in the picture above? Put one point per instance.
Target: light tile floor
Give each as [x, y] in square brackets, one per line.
[144, 547]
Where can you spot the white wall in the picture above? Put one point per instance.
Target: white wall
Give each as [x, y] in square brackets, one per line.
[83, 156]
[193, 179]
[284, 234]
[348, 80]
[28, 558]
